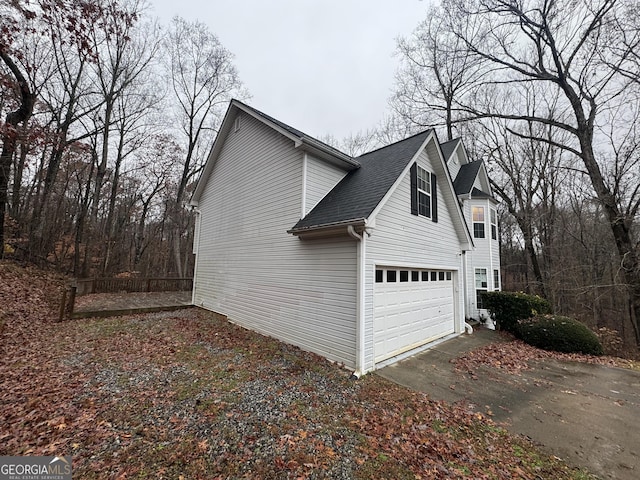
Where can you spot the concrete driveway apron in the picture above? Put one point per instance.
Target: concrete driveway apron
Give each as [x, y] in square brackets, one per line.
[588, 415]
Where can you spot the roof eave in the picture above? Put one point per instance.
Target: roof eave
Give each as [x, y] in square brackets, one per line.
[336, 157]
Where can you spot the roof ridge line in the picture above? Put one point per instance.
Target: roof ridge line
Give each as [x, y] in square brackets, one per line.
[395, 143]
[294, 130]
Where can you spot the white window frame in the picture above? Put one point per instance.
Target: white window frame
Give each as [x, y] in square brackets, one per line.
[483, 286]
[493, 217]
[496, 279]
[474, 210]
[423, 182]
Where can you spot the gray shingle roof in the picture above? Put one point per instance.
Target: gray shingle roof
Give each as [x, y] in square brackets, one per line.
[448, 148]
[476, 193]
[466, 176]
[360, 191]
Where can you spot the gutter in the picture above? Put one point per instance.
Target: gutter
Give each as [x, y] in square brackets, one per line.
[354, 222]
[320, 148]
[360, 310]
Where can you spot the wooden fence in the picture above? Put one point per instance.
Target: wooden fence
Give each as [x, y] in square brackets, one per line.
[118, 285]
[129, 285]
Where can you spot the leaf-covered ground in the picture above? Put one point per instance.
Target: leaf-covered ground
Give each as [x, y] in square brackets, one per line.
[513, 356]
[188, 395]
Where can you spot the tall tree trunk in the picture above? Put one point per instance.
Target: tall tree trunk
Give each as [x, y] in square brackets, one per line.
[9, 137]
[620, 228]
[38, 243]
[109, 227]
[18, 171]
[524, 224]
[80, 227]
[177, 255]
[533, 258]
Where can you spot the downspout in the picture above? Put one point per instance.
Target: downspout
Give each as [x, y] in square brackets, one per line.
[196, 248]
[305, 163]
[465, 290]
[360, 311]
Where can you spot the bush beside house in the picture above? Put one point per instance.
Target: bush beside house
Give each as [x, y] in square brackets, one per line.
[507, 308]
[560, 334]
[529, 318]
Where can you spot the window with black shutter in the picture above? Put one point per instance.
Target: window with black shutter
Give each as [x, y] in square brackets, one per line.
[424, 193]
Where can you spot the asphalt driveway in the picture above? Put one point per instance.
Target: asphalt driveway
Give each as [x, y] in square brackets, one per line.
[588, 415]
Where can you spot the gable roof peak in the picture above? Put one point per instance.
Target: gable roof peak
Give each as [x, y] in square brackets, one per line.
[301, 137]
[449, 147]
[466, 177]
[357, 195]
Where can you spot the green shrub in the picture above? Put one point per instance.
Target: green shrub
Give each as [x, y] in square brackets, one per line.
[560, 334]
[506, 308]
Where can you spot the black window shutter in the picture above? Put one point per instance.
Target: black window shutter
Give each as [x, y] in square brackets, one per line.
[414, 189]
[434, 198]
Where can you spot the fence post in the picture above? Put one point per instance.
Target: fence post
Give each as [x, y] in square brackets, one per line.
[63, 305]
[72, 300]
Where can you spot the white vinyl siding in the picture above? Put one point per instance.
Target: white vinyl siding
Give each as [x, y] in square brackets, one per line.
[478, 184]
[454, 164]
[320, 178]
[250, 269]
[404, 240]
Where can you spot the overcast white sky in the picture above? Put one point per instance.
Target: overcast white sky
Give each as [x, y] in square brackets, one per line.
[322, 66]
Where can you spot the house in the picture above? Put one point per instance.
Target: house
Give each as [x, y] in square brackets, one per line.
[361, 260]
[479, 207]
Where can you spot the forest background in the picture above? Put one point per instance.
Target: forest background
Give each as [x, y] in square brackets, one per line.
[107, 116]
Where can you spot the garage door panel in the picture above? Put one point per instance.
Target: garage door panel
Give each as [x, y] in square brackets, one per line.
[409, 314]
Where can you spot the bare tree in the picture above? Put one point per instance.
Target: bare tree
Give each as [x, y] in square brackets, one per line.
[11, 18]
[124, 52]
[356, 143]
[159, 159]
[63, 23]
[203, 79]
[436, 69]
[125, 55]
[526, 176]
[582, 57]
[66, 97]
[102, 156]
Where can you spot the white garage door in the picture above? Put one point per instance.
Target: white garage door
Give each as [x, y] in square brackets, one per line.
[411, 308]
